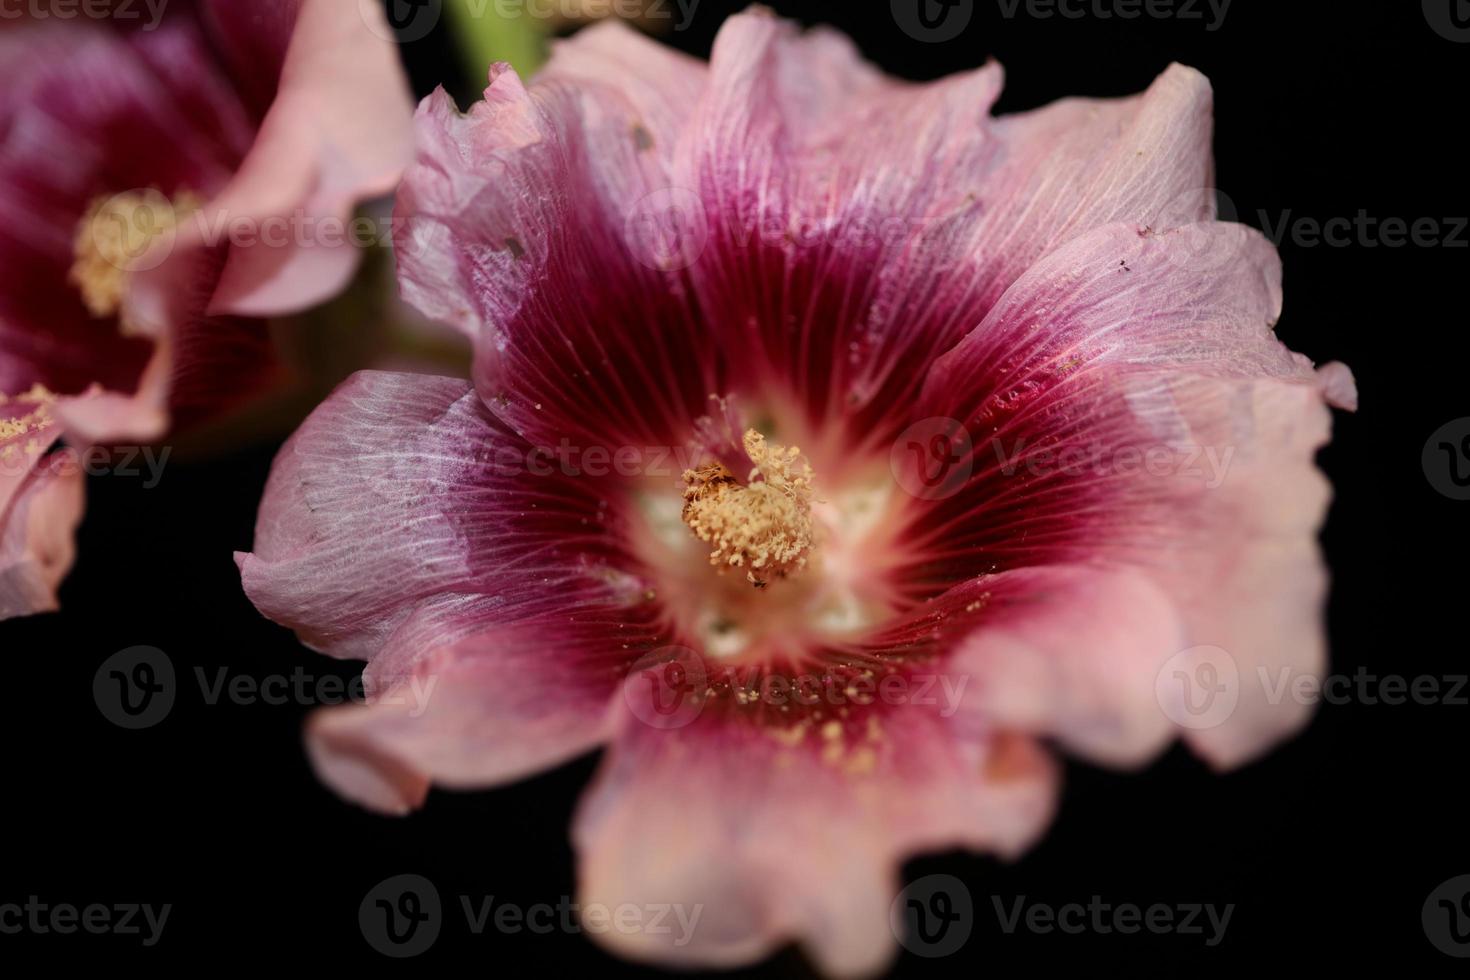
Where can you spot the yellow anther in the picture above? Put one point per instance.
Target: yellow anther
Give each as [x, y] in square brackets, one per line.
[113, 236]
[763, 525]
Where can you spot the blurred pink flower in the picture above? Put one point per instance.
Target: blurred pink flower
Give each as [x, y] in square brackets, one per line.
[122, 145]
[833, 298]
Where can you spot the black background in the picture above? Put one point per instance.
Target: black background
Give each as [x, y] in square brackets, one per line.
[1328, 847]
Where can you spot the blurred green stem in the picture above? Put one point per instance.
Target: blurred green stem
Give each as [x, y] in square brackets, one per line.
[490, 31]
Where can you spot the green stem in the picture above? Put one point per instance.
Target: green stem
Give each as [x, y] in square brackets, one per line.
[485, 36]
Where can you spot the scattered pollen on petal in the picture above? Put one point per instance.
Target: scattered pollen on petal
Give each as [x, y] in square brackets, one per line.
[763, 525]
[114, 234]
[13, 429]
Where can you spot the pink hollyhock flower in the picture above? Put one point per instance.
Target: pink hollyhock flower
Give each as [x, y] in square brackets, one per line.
[831, 446]
[40, 505]
[130, 157]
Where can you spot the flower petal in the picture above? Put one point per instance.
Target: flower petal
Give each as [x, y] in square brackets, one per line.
[1079, 164]
[1068, 652]
[767, 843]
[825, 186]
[83, 113]
[496, 706]
[892, 215]
[400, 493]
[514, 227]
[1133, 406]
[41, 500]
[339, 131]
